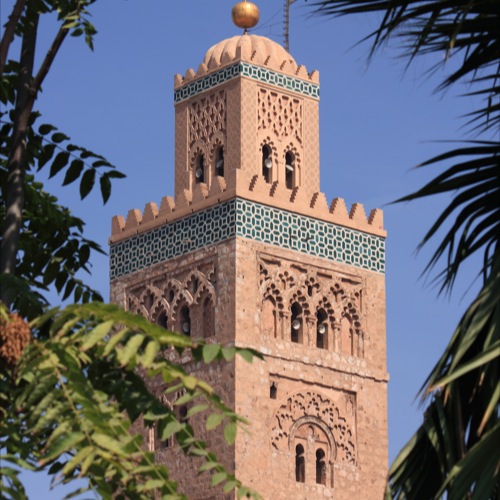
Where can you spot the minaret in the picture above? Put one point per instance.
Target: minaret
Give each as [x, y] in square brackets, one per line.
[250, 253]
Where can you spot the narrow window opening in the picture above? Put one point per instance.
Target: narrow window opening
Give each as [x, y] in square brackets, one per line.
[320, 467]
[289, 170]
[273, 391]
[321, 329]
[200, 169]
[162, 319]
[296, 323]
[219, 162]
[267, 164]
[310, 290]
[300, 464]
[185, 321]
[183, 418]
[171, 296]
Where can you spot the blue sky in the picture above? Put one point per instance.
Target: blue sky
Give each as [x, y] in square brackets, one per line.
[377, 122]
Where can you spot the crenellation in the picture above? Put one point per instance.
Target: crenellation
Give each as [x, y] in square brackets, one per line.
[150, 212]
[318, 202]
[218, 187]
[202, 70]
[134, 218]
[357, 214]
[376, 218]
[117, 224]
[167, 206]
[190, 75]
[203, 196]
[200, 193]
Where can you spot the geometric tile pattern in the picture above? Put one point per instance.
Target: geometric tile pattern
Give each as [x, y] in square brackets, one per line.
[249, 70]
[253, 221]
[171, 240]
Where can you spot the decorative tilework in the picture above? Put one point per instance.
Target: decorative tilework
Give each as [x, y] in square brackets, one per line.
[249, 70]
[256, 222]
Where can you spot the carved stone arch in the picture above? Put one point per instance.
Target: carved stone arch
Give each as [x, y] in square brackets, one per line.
[198, 148]
[147, 298]
[350, 313]
[338, 291]
[314, 404]
[182, 298]
[218, 140]
[313, 285]
[268, 289]
[298, 296]
[132, 304]
[171, 289]
[266, 141]
[309, 419]
[161, 313]
[291, 148]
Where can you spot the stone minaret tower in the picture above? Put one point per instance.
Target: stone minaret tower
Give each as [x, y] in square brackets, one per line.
[250, 253]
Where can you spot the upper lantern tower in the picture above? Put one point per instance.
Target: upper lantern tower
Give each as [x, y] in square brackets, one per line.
[247, 122]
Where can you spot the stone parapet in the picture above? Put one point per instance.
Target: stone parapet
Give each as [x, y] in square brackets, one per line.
[274, 195]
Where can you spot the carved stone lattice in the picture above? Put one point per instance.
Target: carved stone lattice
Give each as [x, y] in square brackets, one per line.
[315, 406]
[280, 113]
[207, 118]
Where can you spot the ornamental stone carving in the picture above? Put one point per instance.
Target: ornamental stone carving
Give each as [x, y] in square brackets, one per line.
[314, 409]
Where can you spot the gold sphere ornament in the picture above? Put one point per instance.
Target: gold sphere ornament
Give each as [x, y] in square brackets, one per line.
[245, 15]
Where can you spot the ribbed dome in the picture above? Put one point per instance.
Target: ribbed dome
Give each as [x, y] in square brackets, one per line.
[251, 48]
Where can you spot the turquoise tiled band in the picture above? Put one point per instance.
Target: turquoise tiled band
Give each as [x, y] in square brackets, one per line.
[249, 70]
[253, 221]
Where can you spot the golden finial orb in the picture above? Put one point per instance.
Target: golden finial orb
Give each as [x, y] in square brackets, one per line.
[245, 15]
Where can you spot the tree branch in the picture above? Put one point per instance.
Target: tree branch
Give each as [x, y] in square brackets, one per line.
[8, 34]
[14, 195]
[49, 58]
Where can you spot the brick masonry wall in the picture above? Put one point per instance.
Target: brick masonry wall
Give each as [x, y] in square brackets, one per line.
[347, 392]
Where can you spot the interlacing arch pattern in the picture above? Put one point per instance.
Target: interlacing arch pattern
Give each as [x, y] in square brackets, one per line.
[313, 408]
[313, 292]
[154, 300]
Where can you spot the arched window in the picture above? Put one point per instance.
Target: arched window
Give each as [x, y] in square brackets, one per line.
[219, 161]
[267, 163]
[300, 464]
[162, 320]
[296, 323]
[289, 170]
[185, 321]
[320, 467]
[321, 329]
[199, 173]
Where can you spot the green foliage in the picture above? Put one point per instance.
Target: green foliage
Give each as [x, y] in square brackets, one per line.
[455, 454]
[51, 240]
[71, 401]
